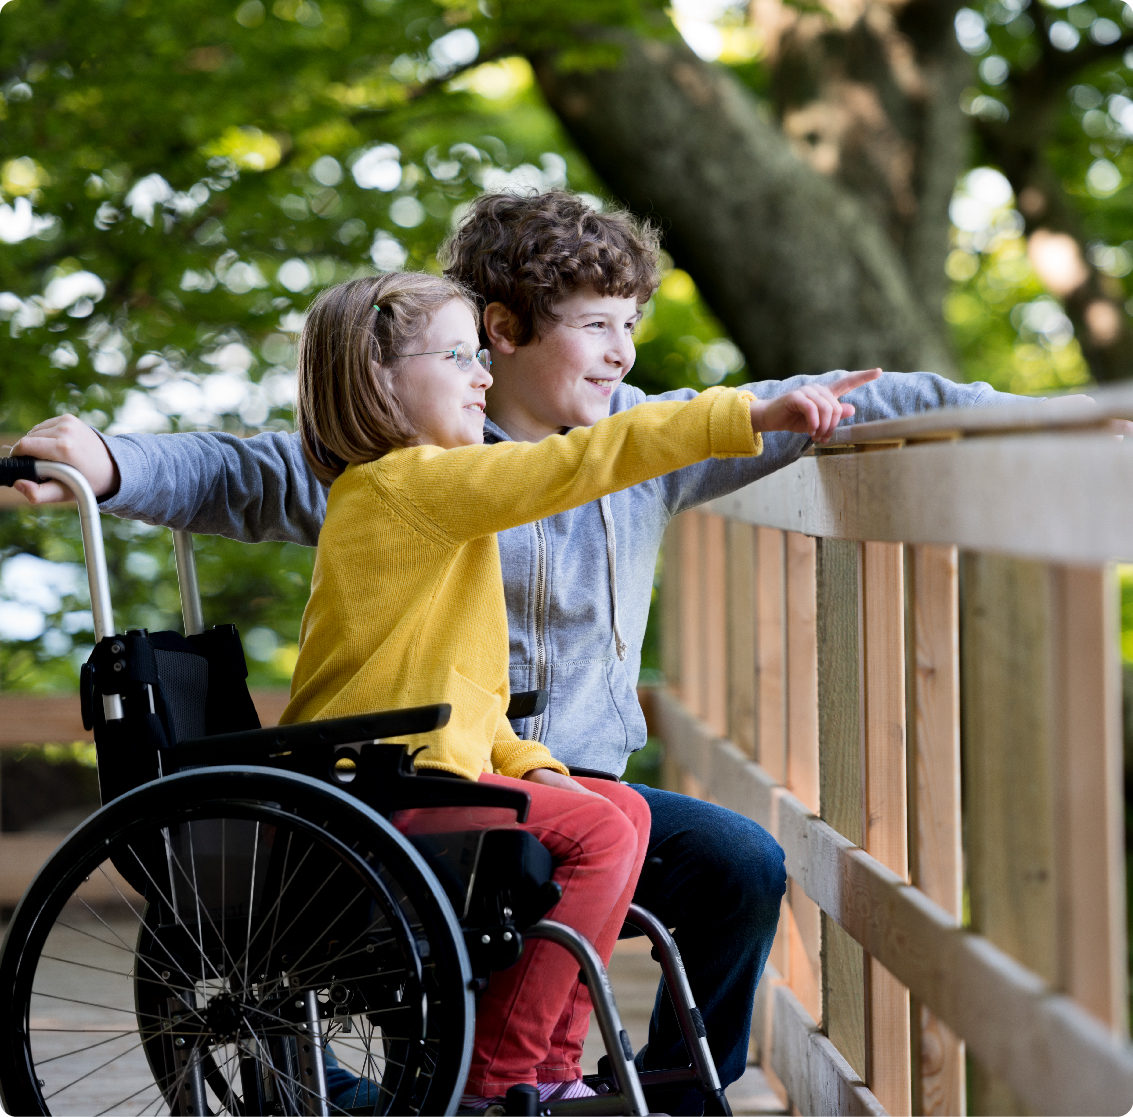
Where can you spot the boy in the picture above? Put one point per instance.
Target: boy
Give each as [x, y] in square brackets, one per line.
[561, 288]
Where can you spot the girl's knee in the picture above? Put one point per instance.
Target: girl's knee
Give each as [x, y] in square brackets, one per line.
[632, 805]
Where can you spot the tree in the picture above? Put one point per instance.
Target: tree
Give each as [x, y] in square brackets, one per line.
[178, 179]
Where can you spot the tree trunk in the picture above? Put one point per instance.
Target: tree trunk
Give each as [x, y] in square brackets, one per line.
[801, 269]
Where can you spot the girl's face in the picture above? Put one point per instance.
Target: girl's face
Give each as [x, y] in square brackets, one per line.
[444, 402]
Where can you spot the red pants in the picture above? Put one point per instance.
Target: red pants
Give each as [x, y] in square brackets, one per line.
[533, 1030]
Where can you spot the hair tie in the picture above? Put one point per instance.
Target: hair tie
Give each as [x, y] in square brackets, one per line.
[377, 308]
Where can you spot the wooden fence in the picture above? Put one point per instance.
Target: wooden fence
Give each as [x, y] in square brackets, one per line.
[900, 656]
[818, 683]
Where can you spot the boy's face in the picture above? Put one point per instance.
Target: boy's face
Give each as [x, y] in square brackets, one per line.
[566, 377]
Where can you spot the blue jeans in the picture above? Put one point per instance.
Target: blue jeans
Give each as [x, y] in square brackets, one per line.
[719, 887]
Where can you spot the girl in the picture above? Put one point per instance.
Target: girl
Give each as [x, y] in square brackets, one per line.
[407, 604]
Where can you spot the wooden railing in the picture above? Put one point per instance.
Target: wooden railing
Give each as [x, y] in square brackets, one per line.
[818, 683]
[55, 719]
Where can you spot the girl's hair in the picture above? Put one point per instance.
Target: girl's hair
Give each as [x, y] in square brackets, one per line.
[347, 409]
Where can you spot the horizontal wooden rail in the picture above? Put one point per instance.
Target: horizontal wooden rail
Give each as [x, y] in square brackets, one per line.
[1029, 495]
[814, 1072]
[45, 719]
[1068, 413]
[1053, 1054]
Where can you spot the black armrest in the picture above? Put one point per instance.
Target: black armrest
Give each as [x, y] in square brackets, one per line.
[435, 788]
[593, 774]
[384, 775]
[527, 704]
[252, 745]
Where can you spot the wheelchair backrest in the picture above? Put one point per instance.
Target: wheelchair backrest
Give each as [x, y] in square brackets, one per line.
[173, 688]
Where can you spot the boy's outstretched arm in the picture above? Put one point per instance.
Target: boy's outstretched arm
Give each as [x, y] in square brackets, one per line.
[251, 489]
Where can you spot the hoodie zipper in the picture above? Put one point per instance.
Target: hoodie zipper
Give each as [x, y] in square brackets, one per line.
[540, 608]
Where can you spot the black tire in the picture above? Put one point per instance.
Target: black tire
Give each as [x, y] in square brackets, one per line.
[260, 887]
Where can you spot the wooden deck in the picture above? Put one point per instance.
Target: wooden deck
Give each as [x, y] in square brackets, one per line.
[634, 976]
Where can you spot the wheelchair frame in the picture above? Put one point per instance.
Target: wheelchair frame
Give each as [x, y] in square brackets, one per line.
[621, 1089]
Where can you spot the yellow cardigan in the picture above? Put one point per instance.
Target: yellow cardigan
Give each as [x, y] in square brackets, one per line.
[407, 601]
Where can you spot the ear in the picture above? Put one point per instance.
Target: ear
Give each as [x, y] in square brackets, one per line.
[499, 327]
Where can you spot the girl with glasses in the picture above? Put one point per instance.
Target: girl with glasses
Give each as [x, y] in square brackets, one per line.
[407, 603]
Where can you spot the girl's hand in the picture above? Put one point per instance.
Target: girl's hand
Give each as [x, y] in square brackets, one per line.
[70, 441]
[814, 410]
[548, 777]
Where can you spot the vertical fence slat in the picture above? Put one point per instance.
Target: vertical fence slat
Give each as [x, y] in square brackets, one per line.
[935, 854]
[692, 613]
[1090, 834]
[770, 688]
[802, 670]
[805, 925]
[671, 605]
[1008, 776]
[771, 632]
[886, 788]
[714, 587]
[840, 772]
[741, 635]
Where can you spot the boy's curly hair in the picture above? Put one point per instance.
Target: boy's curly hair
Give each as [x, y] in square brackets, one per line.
[529, 252]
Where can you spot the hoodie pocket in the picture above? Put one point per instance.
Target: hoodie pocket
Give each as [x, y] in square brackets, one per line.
[592, 713]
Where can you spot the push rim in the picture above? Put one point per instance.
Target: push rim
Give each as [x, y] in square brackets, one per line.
[425, 1053]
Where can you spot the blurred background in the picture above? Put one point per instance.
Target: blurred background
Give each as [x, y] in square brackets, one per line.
[840, 183]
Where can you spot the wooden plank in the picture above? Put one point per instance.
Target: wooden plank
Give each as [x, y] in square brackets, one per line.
[45, 719]
[671, 604]
[803, 927]
[840, 779]
[763, 1029]
[1051, 414]
[771, 654]
[1056, 1056]
[713, 587]
[839, 699]
[40, 719]
[741, 635]
[1089, 838]
[935, 854]
[802, 670]
[1031, 496]
[886, 815]
[816, 1075]
[1008, 772]
[692, 616]
[805, 924]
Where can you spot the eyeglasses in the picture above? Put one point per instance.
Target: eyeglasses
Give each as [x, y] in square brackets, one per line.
[463, 353]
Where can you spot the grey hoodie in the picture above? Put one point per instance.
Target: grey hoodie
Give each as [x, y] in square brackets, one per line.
[577, 585]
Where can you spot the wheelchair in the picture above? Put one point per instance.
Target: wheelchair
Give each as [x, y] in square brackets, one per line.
[291, 920]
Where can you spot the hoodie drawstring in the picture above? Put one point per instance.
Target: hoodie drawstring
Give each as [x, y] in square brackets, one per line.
[612, 559]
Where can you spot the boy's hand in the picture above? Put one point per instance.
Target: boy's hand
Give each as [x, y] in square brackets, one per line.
[814, 410]
[70, 441]
[548, 777]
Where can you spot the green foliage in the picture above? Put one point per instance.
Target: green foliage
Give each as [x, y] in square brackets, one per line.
[992, 307]
[195, 173]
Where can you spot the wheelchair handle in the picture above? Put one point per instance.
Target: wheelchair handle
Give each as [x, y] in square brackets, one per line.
[94, 550]
[34, 469]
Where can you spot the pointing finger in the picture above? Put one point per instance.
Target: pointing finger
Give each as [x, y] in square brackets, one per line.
[853, 380]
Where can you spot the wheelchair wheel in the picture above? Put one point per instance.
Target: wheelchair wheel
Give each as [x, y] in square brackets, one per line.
[267, 915]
